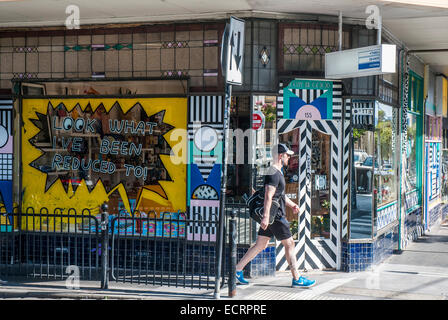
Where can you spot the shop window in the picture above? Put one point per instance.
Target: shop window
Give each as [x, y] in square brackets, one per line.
[445, 176]
[414, 152]
[303, 47]
[168, 51]
[107, 146]
[239, 164]
[265, 107]
[411, 154]
[291, 173]
[385, 164]
[415, 92]
[320, 185]
[433, 127]
[387, 91]
[362, 155]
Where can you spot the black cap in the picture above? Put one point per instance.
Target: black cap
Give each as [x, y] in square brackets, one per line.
[282, 148]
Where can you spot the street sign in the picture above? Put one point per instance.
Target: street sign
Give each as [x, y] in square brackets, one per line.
[235, 52]
[360, 62]
[257, 120]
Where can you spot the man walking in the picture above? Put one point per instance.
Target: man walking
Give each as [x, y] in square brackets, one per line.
[274, 185]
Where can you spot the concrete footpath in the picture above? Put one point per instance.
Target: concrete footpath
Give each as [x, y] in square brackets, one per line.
[419, 273]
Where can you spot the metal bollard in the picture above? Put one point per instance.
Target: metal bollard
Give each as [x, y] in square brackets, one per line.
[104, 247]
[232, 269]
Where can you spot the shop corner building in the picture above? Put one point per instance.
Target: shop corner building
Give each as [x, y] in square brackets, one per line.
[371, 165]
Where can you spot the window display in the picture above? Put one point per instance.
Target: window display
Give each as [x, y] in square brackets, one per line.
[385, 165]
[320, 189]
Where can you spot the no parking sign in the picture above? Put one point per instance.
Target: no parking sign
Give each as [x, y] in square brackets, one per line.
[257, 120]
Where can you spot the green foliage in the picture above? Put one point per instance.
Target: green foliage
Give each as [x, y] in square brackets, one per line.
[269, 110]
[325, 204]
[294, 227]
[358, 133]
[384, 133]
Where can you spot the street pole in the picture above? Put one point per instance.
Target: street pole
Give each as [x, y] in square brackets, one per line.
[104, 247]
[232, 48]
[232, 242]
[223, 191]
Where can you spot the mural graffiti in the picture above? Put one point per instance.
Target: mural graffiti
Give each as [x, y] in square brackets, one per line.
[6, 166]
[80, 153]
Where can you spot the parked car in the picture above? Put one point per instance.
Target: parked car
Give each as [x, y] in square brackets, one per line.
[360, 156]
[368, 162]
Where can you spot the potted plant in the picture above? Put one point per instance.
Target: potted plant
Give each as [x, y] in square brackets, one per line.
[325, 204]
[326, 218]
[294, 227]
[316, 226]
[269, 111]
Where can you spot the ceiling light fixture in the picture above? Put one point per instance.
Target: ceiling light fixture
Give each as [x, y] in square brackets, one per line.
[426, 3]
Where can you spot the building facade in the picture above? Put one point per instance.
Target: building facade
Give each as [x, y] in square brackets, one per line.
[368, 175]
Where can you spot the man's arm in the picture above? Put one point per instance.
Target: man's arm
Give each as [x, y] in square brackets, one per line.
[268, 195]
[289, 202]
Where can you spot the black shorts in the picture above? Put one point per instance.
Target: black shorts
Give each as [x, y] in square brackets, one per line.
[279, 229]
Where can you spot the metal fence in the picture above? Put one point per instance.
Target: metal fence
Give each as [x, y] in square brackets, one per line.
[157, 250]
[245, 225]
[154, 249]
[45, 244]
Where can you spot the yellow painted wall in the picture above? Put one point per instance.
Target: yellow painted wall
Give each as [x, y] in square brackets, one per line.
[56, 197]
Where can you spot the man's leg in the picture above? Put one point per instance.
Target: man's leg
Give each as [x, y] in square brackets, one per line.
[291, 257]
[259, 246]
[292, 261]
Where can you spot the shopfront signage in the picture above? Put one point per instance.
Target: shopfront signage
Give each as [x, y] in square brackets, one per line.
[360, 62]
[305, 99]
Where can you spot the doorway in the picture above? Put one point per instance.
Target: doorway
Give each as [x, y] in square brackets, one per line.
[318, 182]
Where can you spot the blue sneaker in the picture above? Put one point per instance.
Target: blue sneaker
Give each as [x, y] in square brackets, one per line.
[240, 278]
[303, 283]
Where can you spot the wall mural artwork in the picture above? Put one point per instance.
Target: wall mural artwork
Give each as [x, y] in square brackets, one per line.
[205, 146]
[433, 173]
[80, 153]
[6, 166]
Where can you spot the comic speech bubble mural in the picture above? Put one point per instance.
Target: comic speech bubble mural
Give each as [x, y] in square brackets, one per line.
[78, 152]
